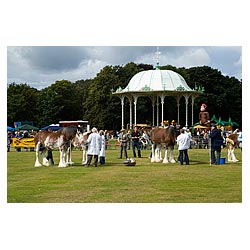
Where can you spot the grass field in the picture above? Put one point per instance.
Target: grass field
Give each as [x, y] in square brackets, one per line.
[115, 182]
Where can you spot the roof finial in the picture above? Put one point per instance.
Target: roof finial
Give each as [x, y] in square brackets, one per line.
[157, 55]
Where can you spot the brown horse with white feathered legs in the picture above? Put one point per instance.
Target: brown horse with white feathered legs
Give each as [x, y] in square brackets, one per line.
[163, 137]
[61, 139]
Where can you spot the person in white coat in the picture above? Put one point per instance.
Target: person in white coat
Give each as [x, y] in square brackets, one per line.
[103, 146]
[183, 141]
[94, 147]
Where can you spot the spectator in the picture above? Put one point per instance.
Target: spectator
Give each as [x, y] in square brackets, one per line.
[216, 143]
[183, 141]
[103, 147]
[18, 136]
[129, 139]
[9, 141]
[135, 136]
[123, 139]
[205, 139]
[26, 134]
[107, 137]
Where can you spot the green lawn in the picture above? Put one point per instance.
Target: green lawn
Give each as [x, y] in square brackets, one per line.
[115, 182]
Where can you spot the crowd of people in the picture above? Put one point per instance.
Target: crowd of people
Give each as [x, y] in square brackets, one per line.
[18, 135]
[212, 137]
[137, 139]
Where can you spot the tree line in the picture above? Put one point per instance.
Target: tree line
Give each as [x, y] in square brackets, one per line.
[92, 99]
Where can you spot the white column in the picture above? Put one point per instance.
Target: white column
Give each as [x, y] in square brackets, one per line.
[130, 113]
[186, 101]
[193, 97]
[135, 102]
[157, 111]
[162, 109]
[122, 102]
[178, 108]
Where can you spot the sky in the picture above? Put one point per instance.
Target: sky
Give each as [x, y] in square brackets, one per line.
[41, 66]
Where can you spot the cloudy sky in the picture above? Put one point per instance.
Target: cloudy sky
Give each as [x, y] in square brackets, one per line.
[41, 66]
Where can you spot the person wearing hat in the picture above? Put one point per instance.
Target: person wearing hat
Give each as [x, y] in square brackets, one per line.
[94, 147]
[123, 139]
[216, 143]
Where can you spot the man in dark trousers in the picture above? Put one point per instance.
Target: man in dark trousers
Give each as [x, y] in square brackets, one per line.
[49, 153]
[216, 143]
[123, 139]
[135, 136]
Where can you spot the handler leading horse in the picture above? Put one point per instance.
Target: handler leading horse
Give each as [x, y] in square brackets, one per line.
[50, 140]
[163, 137]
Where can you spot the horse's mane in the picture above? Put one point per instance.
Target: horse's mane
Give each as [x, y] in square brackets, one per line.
[68, 131]
[171, 129]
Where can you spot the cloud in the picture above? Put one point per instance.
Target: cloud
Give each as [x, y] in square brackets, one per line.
[40, 66]
[238, 62]
[186, 57]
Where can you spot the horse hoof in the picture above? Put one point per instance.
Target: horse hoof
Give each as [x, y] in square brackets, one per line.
[38, 165]
[173, 161]
[165, 161]
[62, 166]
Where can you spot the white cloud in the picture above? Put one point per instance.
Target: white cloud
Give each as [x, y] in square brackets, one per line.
[191, 57]
[238, 62]
[42, 66]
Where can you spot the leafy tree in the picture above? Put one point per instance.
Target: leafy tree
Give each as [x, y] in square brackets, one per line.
[81, 88]
[223, 94]
[21, 103]
[92, 99]
[100, 110]
[63, 100]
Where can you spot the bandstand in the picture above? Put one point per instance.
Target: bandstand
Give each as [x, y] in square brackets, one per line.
[156, 84]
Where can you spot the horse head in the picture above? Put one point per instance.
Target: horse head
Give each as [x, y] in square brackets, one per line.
[80, 139]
